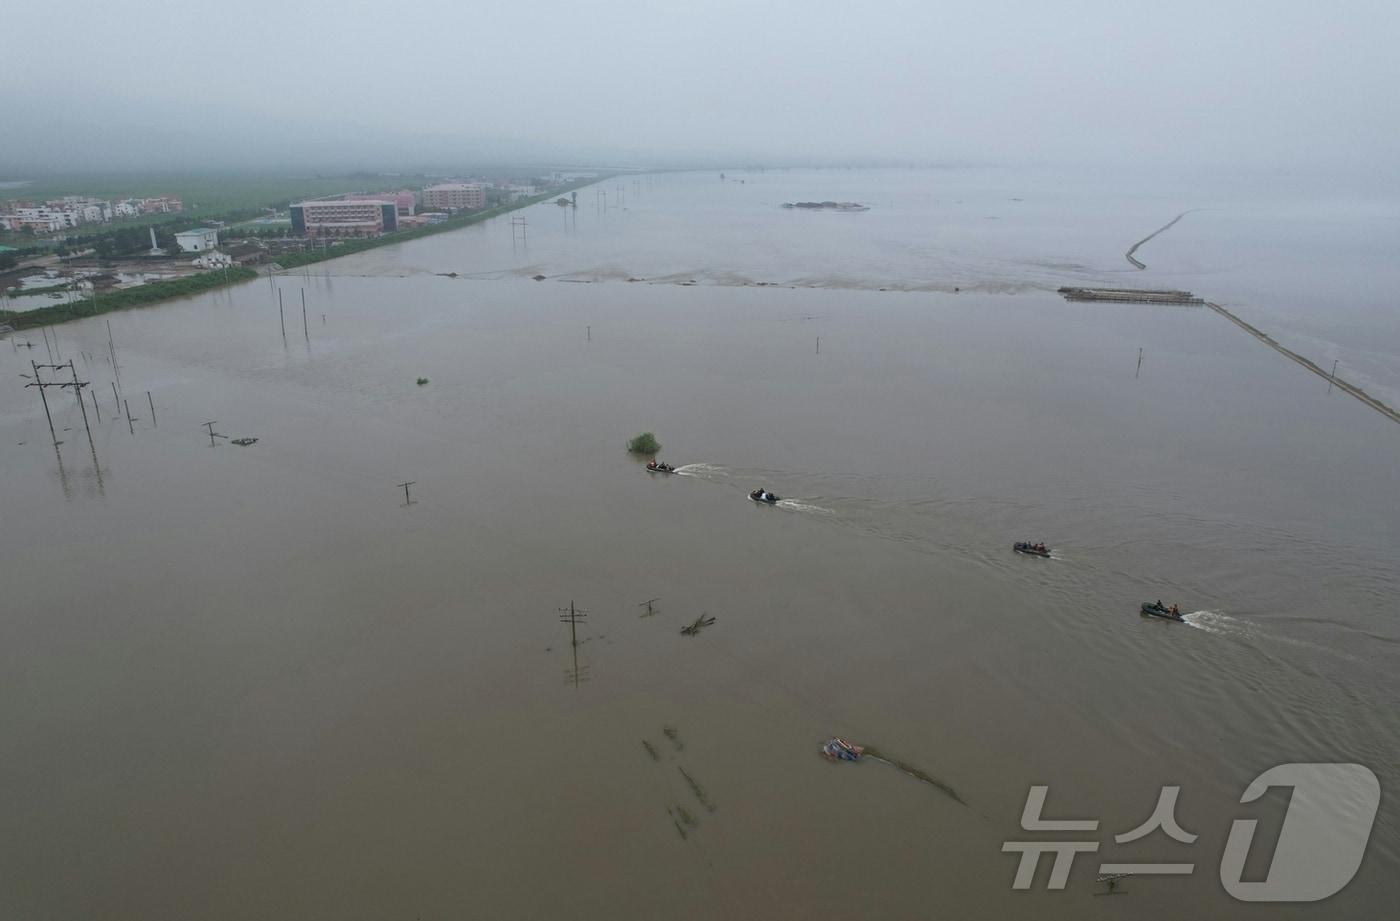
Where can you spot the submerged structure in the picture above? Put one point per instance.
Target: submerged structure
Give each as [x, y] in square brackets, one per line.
[1130, 295]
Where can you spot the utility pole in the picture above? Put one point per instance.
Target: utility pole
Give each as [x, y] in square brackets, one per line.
[78, 392]
[304, 328]
[1139, 366]
[38, 382]
[572, 616]
[1332, 378]
[112, 348]
[407, 500]
[282, 316]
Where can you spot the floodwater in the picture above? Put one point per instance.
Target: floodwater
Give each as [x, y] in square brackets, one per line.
[252, 682]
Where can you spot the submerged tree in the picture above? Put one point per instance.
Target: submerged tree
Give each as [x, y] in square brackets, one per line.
[644, 443]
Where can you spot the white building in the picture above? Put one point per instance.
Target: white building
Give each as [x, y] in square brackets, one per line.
[198, 240]
[213, 260]
[44, 220]
[455, 196]
[128, 208]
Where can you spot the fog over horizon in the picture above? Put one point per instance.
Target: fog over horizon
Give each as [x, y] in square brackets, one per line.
[429, 84]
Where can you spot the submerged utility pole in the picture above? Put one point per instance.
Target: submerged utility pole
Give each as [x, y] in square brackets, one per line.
[407, 500]
[78, 392]
[112, 348]
[572, 616]
[38, 382]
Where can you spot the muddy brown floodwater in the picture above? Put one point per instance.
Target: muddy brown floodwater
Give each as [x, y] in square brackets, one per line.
[250, 681]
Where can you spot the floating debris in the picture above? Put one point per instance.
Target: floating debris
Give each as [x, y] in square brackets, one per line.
[841, 750]
[676, 821]
[700, 623]
[244, 442]
[685, 816]
[674, 735]
[539, 278]
[698, 790]
[836, 749]
[422, 381]
[651, 750]
[1110, 881]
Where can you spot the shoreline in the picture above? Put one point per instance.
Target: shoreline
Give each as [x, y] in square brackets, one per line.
[159, 292]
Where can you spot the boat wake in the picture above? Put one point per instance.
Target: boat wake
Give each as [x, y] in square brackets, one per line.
[1222, 624]
[1217, 623]
[699, 470]
[797, 506]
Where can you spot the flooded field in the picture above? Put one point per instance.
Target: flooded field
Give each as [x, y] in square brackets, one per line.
[252, 681]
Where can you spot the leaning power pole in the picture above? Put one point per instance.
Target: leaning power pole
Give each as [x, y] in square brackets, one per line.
[39, 382]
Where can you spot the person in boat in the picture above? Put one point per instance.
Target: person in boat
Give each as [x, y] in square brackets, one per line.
[1040, 548]
[1175, 612]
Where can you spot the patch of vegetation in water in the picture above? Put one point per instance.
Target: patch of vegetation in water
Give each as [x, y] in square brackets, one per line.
[644, 443]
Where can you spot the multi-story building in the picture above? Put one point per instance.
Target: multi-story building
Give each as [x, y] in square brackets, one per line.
[128, 208]
[368, 218]
[44, 220]
[405, 202]
[455, 196]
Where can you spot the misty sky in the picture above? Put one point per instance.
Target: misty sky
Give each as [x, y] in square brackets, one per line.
[417, 83]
